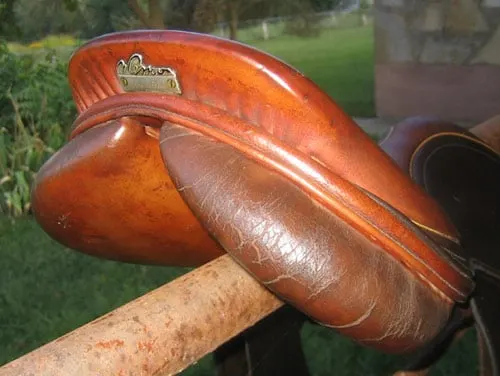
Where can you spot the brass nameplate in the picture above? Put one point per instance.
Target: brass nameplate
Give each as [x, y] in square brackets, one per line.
[134, 75]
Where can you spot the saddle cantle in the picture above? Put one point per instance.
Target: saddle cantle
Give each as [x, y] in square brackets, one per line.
[260, 163]
[461, 170]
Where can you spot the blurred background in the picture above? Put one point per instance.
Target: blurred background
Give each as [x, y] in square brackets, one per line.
[47, 290]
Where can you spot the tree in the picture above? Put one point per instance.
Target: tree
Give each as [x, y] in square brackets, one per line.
[325, 5]
[105, 16]
[34, 19]
[152, 17]
[181, 14]
[159, 14]
[210, 12]
[8, 25]
[303, 20]
[39, 18]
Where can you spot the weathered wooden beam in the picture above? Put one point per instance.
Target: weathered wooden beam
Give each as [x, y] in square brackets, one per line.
[160, 333]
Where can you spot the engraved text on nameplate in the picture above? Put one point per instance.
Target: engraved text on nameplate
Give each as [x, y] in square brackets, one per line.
[134, 75]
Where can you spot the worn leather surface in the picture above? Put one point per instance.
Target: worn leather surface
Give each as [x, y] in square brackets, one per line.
[260, 163]
[299, 250]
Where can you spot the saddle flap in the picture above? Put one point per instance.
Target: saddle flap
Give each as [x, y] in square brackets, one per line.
[302, 252]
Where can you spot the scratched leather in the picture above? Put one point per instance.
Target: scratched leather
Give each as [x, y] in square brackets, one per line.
[299, 250]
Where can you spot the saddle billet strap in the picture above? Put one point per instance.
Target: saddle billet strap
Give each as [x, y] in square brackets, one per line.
[462, 173]
[486, 306]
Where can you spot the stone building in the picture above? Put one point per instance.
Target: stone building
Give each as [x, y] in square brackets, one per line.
[437, 57]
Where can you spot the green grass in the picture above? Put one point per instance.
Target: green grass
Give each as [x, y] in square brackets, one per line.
[47, 290]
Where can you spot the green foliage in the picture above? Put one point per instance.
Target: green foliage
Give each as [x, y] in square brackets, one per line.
[302, 21]
[106, 16]
[324, 5]
[8, 25]
[35, 110]
[28, 20]
[36, 19]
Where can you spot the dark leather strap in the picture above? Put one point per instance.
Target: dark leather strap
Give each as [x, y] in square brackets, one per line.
[486, 308]
[270, 348]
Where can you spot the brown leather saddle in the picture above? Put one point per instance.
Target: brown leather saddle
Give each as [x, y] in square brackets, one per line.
[188, 146]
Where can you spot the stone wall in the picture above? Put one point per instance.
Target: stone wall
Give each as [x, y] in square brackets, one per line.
[437, 57]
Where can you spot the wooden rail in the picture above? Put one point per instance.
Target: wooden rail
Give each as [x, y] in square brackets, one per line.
[160, 333]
